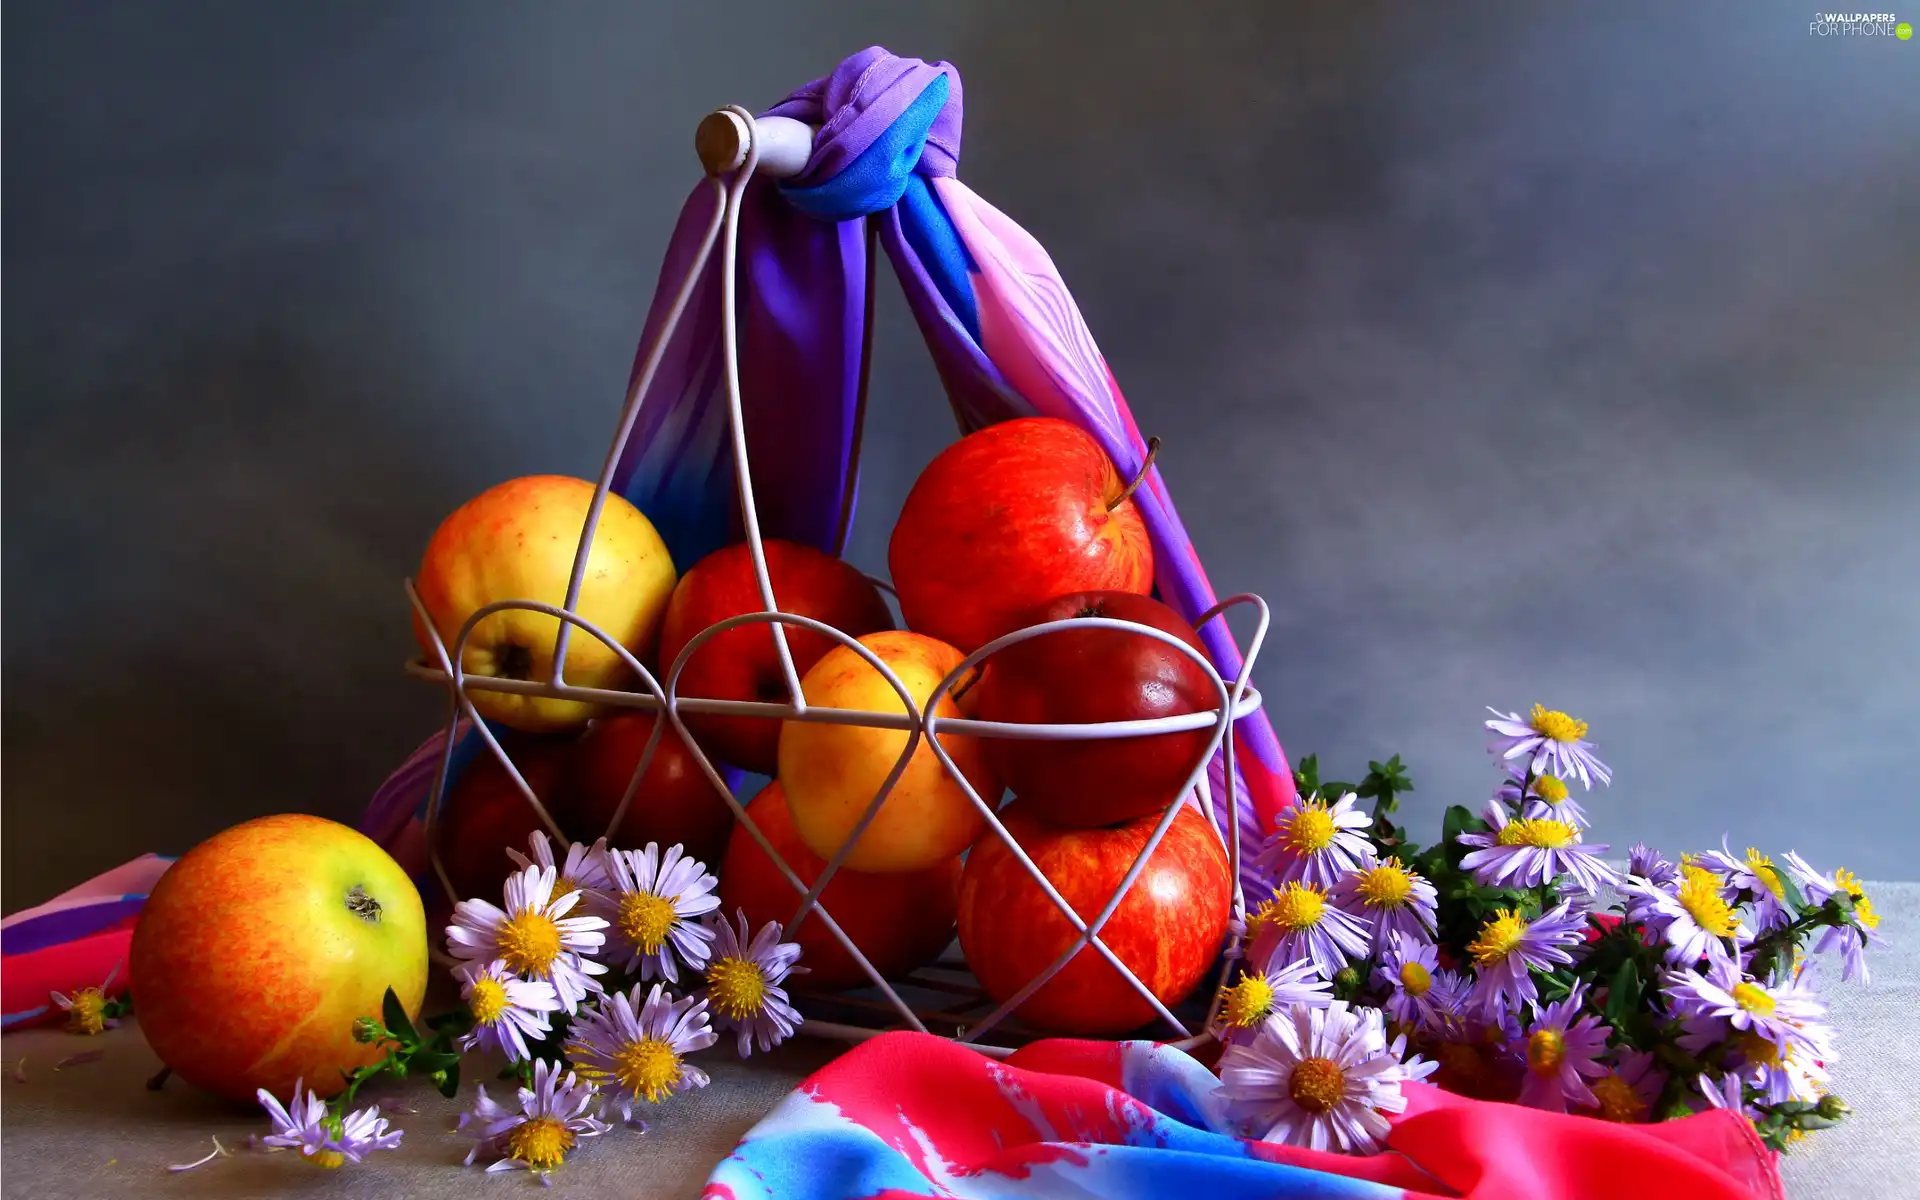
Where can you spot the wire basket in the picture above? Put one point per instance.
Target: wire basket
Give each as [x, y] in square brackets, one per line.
[943, 997]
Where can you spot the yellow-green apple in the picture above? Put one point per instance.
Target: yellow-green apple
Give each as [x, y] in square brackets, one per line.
[516, 541]
[1168, 929]
[260, 947]
[900, 921]
[831, 773]
[742, 663]
[675, 803]
[1009, 517]
[1087, 676]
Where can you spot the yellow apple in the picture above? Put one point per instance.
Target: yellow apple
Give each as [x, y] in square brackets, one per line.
[257, 950]
[516, 541]
[831, 773]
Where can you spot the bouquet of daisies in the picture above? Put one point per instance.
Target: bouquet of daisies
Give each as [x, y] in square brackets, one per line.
[1511, 961]
[576, 978]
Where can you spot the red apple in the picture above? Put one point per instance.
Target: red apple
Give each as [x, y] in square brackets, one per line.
[900, 920]
[1167, 930]
[675, 803]
[1008, 518]
[742, 663]
[483, 814]
[1078, 676]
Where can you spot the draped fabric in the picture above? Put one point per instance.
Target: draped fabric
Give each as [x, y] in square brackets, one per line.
[910, 1115]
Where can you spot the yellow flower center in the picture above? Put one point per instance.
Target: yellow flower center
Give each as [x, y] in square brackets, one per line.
[1248, 1001]
[540, 1142]
[1295, 907]
[1862, 907]
[1317, 1084]
[329, 1159]
[645, 919]
[89, 1012]
[564, 886]
[1414, 979]
[1762, 868]
[1753, 998]
[1543, 833]
[647, 1067]
[487, 1000]
[1549, 789]
[738, 987]
[1498, 938]
[1310, 829]
[529, 943]
[1545, 1049]
[1386, 885]
[1757, 1049]
[1700, 896]
[1618, 1100]
[1556, 726]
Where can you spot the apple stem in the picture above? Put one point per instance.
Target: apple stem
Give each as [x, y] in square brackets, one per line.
[1153, 448]
[159, 1081]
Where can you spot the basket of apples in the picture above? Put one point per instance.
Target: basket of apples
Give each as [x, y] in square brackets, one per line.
[987, 815]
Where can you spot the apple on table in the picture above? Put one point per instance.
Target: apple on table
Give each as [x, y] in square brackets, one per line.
[517, 541]
[743, 663]
[1168, 929]
[1007, 518]
[258, 949]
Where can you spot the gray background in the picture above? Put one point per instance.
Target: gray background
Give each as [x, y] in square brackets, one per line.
[1559, 352]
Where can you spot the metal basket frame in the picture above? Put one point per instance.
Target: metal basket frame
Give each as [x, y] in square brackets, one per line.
[1235, 699]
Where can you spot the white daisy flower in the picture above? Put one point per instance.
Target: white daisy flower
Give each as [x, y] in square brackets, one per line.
[507, 1011]
[636, 1051]
[1279, 987]
[1318, 1078]
[533, 935]
[1552, 742]
[552, 1119]
[654, 903]
[743, 989]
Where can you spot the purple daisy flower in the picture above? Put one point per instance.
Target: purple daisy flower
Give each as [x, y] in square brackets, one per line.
[1561, 1053]
[1627, 1091]
[1530, 851]
[551, 1119]
[1543, 796]
[654, 904]
[1317, 843]
[1390, 899]
[1725, 1092]
[1851, 941]
[89, 1010]
[1691, 914]
[1643, 860]
[743, 989]
[1298, 922]
[507, 1010]
[1276, 988]
[1509, 948]
[583, 869]
[1316, 1077]
[1757, 878]
[533, 935]
[321, 1138]
[1422, 994]
[1788, 1015]
[634, 1050]
[1552, 742]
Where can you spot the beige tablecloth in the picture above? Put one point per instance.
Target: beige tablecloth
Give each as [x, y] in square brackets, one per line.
[93, 1130]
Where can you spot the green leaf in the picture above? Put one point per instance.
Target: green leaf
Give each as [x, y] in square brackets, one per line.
[433, 1060]
[1796, 901]
[455, 1021]
[1623, 993]
[450, 1084]
[395, 1017]
[1306, 775]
